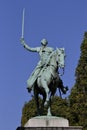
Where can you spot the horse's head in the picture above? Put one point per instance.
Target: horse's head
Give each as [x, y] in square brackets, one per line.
[60, 57]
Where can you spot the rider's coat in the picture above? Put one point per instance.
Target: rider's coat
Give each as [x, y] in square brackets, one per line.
[44, 53]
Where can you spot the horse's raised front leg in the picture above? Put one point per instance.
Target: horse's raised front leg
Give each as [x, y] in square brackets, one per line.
[45, 86]
[49, 107]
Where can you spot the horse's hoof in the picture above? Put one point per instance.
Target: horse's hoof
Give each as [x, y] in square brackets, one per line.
[46, 103]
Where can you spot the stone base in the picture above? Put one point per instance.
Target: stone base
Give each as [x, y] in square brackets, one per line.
[47, 121]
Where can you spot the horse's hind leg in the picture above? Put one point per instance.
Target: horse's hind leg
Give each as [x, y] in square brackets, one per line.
[37, 102]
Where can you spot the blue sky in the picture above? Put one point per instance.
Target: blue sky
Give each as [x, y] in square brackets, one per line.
[61, 22]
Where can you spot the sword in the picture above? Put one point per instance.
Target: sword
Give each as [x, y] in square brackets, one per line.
[22, 36]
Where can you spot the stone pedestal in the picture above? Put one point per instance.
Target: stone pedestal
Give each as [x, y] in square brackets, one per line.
[48, 123]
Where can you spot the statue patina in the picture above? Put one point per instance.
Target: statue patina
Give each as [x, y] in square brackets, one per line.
[45, 78]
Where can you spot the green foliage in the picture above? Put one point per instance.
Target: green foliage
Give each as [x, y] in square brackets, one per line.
[78, 96]
[59, 107]
[28, 111]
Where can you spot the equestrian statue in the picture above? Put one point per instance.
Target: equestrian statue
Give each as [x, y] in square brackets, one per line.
[45, 79]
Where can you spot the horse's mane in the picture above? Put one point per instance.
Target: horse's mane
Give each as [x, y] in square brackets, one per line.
[53, 54]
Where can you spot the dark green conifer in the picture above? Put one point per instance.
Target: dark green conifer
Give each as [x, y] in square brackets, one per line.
[78, 97]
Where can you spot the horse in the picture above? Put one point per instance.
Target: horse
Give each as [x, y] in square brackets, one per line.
[49, 80]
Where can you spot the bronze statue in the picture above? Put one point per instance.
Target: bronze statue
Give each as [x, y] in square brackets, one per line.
[45, 79]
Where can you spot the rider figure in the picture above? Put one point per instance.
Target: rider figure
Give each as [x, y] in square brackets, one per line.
[44, 53]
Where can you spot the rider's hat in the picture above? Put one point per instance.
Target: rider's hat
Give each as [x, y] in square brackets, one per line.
[44, 42]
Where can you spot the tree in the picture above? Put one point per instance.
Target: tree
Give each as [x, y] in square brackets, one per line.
[78, 96]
